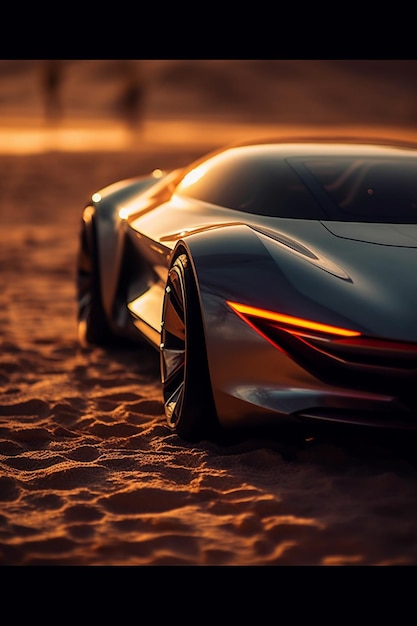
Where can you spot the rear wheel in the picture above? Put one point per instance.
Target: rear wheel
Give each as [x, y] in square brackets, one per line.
[91, 319]
[188, 400]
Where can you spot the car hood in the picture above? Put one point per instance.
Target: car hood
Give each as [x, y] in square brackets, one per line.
[348, 245]
[381, 234]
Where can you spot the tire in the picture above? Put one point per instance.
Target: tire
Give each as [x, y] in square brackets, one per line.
[188, 400]
[91, 319]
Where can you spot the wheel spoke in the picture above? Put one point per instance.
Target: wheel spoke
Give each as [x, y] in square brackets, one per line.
[173, 404]
[174, 319]
[172, 363]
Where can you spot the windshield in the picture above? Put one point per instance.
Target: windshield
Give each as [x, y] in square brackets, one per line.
[365, 190]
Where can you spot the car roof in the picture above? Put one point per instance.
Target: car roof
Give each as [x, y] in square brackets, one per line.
[327, 146]
[314, 146]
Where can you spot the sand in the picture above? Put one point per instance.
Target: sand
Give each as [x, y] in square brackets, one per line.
[89, 472]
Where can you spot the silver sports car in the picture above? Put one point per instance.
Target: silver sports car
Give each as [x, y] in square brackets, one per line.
[277, 280]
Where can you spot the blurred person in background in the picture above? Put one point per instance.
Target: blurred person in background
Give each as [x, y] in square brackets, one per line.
[51, 78]
[131, 99]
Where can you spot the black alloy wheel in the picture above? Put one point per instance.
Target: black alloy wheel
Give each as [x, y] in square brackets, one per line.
[91, 319]
[188, 400]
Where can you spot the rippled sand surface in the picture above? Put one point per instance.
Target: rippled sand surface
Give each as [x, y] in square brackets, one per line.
[89, 473]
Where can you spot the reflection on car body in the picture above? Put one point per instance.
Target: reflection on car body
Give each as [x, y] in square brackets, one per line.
[276, 279]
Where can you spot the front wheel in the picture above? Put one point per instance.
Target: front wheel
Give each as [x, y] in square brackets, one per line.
[91, 319]
[188, 399]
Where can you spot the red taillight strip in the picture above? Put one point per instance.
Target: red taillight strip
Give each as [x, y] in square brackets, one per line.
[243, 309]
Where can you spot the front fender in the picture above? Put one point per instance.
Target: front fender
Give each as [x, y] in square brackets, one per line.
[104, 209]
[231, 261]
